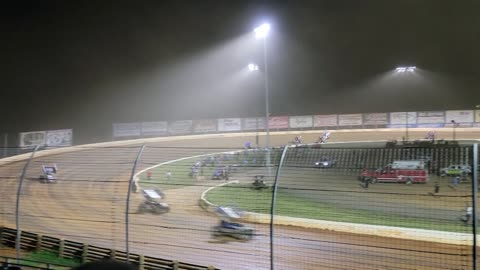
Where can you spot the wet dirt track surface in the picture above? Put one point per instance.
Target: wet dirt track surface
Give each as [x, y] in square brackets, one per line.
[87, 204]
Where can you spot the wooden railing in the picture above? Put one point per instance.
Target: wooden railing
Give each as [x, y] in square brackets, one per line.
[86, 253]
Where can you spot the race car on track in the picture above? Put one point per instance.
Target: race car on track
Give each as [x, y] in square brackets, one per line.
[229, 228]
[220, 173]
[49, 174]
[152, 203]
[324, 137]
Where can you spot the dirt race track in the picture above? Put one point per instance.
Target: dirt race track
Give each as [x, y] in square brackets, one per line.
[87, 205]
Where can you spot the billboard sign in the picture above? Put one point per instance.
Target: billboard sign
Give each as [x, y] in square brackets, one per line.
[326, 120]
[180, 127]
[400, 118]
[459, 116]
[278, 122]
[375, 118]
[204, 126]
[350, 119]
[126, 130]
[230, 124]
[32, 139]
[431, 117]
[305, 121]
[61, 137]
[154, 128]
[430, 125]
[253, 123]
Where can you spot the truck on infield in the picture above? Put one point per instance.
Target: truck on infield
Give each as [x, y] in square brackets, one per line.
[407, 172]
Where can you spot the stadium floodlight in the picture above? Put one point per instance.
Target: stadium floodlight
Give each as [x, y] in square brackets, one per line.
[262, 30]
[252, 67]
[405, 69]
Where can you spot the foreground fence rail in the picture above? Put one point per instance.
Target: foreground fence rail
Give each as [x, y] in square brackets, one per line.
[85, 253]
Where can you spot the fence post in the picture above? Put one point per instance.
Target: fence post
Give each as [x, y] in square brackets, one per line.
[474, 203]
[175, 265]
[1, 236]
[127, 207]
[17, 207]
[113, 254]
[272, 209]
[141, 261]
[61, 248]
[84, 253]
[39, 242]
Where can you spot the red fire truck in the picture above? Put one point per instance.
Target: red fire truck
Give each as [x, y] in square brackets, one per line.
[389, 174]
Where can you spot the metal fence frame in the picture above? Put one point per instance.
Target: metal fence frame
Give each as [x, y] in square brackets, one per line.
[21, 239]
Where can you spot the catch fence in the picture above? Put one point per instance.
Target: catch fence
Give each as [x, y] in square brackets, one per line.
[302, 208]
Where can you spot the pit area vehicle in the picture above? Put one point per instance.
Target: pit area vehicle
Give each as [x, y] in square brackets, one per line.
[324, 163]
[152, 203]
[229, 227]
[408, 164]
[258, 182]
[456, 170]
[389, 174]
[49, 174]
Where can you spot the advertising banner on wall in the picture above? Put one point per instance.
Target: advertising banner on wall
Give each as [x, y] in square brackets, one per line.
[154, 128]
[459, 116]
[229, 124]
[431, 117]
[61, 137]
[32, 138]
[460, 125]
[204, 126]
[375, 118]
[278, 122]
[305, 121]
[477, 116]
[400, 118]
[253, 123]
[180, 127]
[350, 119]
[126, 130]
[325, 120]
[430, 125]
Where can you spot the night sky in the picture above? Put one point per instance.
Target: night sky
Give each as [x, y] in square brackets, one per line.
[88, 64]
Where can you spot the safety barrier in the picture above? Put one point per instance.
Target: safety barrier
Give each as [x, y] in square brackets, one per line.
[86, 253]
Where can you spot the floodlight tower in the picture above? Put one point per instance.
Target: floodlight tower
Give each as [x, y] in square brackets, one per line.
[406, 69]
[261, 32]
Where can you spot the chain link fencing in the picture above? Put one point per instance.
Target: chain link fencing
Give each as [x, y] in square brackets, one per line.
[328, 206]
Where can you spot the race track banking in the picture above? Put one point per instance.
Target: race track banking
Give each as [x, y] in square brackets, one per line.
[87, 205]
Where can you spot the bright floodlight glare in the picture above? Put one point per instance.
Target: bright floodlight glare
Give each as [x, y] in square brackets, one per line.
[405, 69]
[262, 30]
[252, 67]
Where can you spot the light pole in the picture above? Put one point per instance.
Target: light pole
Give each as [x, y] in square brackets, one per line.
[261, 32]
[454, 124]
[406, 126]
[252, 68]
[406, 69]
